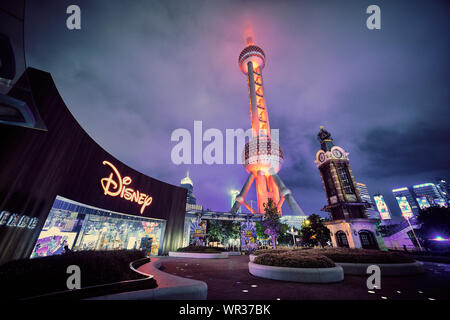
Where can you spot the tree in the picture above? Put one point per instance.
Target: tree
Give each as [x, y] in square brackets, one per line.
[271, 222]
[314, 231]
[260, 230]
[435, 223]
[222, 230]
[213, 231]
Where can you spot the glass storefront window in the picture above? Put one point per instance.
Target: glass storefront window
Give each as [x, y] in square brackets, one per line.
[81, 227]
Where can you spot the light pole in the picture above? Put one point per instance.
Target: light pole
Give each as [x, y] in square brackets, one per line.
[293, 234]
[407, 216]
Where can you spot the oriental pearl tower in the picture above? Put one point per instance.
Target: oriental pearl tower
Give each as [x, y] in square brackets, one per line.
[262, 156]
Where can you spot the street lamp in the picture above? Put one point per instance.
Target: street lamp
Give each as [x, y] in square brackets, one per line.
[407, 216]
[293, 234]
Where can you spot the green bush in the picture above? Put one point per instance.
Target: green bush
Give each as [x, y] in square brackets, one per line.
[31, 277]
[201, 249]
[275, 251]
[294, 259]
[346, 255]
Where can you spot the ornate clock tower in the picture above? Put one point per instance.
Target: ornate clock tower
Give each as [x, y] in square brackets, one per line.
[349, 225]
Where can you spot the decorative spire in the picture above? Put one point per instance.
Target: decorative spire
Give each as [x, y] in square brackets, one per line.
[187, 180]
[326, 142]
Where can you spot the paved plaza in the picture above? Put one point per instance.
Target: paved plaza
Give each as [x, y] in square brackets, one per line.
[229, 279]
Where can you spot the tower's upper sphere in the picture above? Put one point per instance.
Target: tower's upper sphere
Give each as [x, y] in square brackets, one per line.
[262, 154]
[254, 54]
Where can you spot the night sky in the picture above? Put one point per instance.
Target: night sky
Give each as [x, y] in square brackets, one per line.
[137, 70]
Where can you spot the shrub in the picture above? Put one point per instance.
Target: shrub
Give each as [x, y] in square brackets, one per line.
[362, 255]
[31, 277]
[280, 250]
[263, 251]
[294, 259]
[346, 255]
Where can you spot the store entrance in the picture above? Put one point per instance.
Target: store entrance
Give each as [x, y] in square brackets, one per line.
[82, 227]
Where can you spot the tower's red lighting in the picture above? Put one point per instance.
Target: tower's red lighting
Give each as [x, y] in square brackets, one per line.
[262, 156]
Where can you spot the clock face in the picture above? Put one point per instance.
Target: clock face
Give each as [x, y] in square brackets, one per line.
[337, 153]
[322, 157]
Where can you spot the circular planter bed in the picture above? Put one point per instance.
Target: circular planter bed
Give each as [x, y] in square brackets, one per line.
[295, 266]
[200, 252]
[356, 261]
[387, 269]
[253, 255]
[306, 275]
[234, 253]
[198, 255]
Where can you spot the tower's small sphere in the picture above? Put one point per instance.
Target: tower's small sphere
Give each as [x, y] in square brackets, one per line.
[254, 54]
[262, 154]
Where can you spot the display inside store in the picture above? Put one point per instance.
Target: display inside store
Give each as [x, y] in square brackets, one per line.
[74, 226]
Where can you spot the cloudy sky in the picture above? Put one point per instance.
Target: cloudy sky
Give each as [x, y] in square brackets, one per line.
[137, 70]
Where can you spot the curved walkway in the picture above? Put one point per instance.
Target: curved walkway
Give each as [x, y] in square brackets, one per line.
[229, 279]
[170, 287]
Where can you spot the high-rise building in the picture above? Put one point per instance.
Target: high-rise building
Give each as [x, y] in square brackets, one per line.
[262, 155]
[234, 194]
[427, 194]
[293, 221]
[371, 211]
[408, 194]
[191, 201]
[350, 226]
[443, 188]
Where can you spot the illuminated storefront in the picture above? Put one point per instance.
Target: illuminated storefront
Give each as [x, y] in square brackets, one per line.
[81, 227]
[59, 188]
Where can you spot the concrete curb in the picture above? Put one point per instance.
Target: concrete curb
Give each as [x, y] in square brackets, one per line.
[387, 269]
[306, 275]
[234, 253]
[170, 287]
[196, 255]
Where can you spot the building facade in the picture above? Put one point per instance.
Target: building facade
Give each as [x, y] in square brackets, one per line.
[406, 193]
[422, 196]
[187, 183]
[58, 187]
[443, 188]
[427, 195]
[349, 225]
[371, 210]
[293, 221]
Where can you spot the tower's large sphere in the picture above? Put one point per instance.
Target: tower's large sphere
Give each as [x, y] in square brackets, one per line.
[262, 154]
[254, 54]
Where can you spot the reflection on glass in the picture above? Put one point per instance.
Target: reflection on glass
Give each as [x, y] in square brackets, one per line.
[80, 227]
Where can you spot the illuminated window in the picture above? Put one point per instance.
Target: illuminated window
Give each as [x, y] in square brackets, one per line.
[346, 181]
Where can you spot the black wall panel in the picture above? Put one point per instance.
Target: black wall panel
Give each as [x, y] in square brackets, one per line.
[36, 166]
